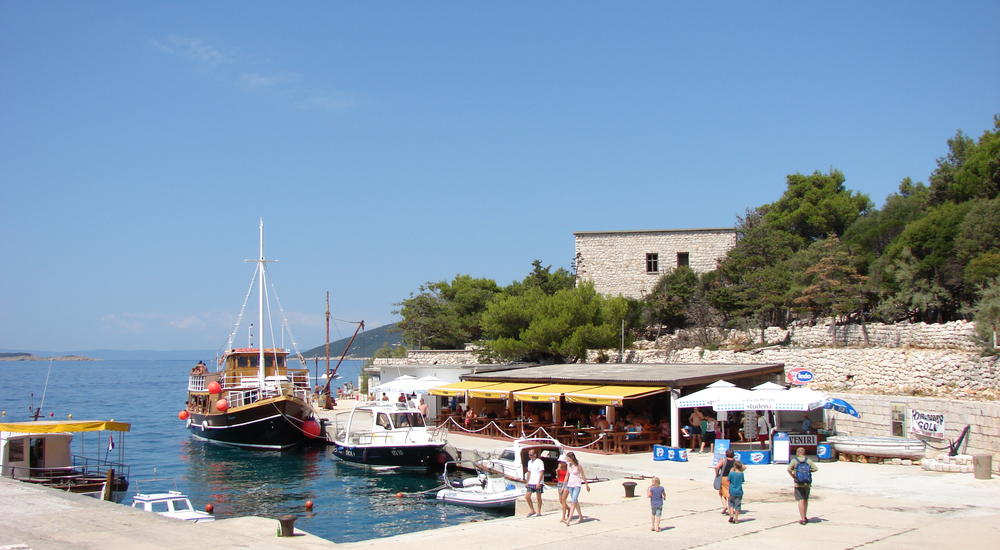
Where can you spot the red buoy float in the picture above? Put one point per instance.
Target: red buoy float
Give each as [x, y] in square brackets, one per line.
[309, 505]
[183, 415]
[311, 429]
[222, 405]
[214, 388]
[210, 508]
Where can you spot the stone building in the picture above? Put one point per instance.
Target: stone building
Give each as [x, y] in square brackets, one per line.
[629, 263]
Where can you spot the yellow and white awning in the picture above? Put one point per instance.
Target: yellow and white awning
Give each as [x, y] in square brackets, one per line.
[549, 393]
[458, 389]
[500, 391]
[59, 426]
[611, 395]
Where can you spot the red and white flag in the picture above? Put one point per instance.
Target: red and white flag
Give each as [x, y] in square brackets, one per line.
[111, 443]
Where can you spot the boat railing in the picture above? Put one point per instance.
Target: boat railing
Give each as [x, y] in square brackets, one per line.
[196, 382]
[83, 468]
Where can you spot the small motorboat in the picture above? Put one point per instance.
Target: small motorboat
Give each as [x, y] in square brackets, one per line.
[171, 504]
[484, 490]
[387, 435]
[887, 447]
[512, 461]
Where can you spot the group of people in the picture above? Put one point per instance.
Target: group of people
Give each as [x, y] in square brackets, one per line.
[702, 430]
[570, 480]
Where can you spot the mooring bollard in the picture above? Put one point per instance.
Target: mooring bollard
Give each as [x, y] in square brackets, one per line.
[287, 526]
[629, 488]
[982, 466]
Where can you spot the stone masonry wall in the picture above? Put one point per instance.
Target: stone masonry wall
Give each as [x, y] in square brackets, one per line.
[983, 418]
[616, 260]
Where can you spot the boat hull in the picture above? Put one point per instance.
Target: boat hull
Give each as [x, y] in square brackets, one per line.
[887, 447]
[273, 424]
[506, 499]
[427, 456]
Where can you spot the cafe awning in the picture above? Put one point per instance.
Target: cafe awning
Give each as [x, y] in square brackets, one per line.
[500, 391]
[548, 393]
[456, 389]
[611, 395]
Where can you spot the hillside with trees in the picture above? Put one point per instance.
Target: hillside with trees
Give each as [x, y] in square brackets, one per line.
[365, 345]
[930, 253]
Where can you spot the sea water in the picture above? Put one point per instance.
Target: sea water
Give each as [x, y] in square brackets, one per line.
[350, 503]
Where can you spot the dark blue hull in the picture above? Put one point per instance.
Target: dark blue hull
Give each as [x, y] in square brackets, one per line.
[429, 456]
[272, 425]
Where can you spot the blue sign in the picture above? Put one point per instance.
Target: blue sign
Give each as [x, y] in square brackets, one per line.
[662, 452]
[824, 451]
[753, 457]
[719, 450]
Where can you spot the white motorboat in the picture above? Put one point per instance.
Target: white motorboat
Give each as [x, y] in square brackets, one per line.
[512, 461]
[385, 434]
[888, 447]
[171, 504]
[483, 490]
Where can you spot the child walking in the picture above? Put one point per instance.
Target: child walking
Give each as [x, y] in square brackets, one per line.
[656, 494]
[562, 472]
[736, 491]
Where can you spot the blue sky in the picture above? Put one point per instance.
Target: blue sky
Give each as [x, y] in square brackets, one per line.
[386, 144]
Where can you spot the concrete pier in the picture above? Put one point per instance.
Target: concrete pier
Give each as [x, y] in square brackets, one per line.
[875, 506]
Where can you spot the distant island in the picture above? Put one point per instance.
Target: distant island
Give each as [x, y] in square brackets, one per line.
[364, 346]
[31, 357]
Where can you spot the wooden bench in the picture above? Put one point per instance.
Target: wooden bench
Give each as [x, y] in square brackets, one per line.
[641, 444]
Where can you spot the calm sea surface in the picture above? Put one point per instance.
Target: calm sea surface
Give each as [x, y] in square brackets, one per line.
[351, 503]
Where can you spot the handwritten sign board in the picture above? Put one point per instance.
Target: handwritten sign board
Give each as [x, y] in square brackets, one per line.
[927, 424]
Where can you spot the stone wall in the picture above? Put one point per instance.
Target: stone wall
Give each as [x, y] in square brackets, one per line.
[616, 260]
[946, 373]
[431, 357]
[983, 418]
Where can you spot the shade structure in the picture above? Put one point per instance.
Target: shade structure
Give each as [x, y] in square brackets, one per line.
[716, 391]
[548, 393]
[798, 399]
[611, 395]
[59, 426]
[458, 389]
[842, 406]
[768, 386]
[409, 384]
[500, 391]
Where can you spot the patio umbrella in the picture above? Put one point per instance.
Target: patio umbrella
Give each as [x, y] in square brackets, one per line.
[842, 406]
[716, 391]
[768, 386]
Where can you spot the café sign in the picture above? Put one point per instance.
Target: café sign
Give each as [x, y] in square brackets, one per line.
[799, 376]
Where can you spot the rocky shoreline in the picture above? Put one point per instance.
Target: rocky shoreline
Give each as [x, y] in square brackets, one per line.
[30, 357]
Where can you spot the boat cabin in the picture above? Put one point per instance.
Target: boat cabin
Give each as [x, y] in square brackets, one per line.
[37, 455]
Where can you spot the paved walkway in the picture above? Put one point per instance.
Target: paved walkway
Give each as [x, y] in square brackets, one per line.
[853, 506]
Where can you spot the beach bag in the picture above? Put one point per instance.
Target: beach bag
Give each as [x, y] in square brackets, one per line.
[717, 484]
[803, 473]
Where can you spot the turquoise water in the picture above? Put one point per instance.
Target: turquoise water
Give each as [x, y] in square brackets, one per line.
[351, 503]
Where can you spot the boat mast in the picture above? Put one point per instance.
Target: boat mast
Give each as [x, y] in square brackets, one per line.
[260, 308]
[327, 335]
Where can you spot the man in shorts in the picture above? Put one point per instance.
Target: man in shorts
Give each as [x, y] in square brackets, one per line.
[534, 482]
[801, 469]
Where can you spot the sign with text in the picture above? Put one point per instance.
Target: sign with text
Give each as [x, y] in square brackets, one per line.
[754, 457]
[719, 450]
[662, 452]
[799, 376]
[802, 440]
[927, 424]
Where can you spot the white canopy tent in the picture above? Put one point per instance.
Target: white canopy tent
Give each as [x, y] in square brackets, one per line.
[719, 390]
[797, 399]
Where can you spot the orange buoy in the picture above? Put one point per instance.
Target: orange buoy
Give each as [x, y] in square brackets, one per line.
[311, 429]
[210, 508]
[399, 495]
[222, 405]
[214, 388]
[309, 505]
[183, 415]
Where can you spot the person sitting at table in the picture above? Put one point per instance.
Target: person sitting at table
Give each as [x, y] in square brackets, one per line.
[633, 431]
[665, 432]
[470, 415]
[602, 423]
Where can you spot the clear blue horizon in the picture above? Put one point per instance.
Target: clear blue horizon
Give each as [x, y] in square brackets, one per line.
[390, 144]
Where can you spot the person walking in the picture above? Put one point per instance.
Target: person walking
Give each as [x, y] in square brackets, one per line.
[736, 492]
[574, 480]
[534, 482]
[562, 472]
[763, 430]
[722, 469]
[656, 494]
[801, 469]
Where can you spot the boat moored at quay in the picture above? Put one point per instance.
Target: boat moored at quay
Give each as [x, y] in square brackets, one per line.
[253, 399]
[387, 435]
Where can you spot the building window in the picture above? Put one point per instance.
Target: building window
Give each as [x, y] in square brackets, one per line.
[652, 263]
[683, 259]
[898, 419]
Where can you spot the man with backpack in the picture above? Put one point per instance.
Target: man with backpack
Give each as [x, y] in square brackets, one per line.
[801, 469]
